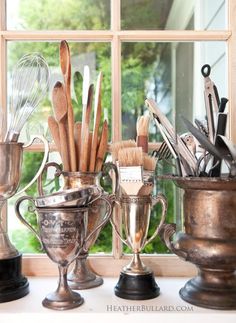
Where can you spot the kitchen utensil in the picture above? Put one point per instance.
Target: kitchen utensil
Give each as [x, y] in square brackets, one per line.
[84, 161]
[142, 128]
[102, 148]
[130, 167]
[97, 118]
[212, 100]
[66, 71]
[220, 130]
[54, 130]
[222, 106]
[30, 79]
[116, 146]
[213, 150]
[177, 143]
[77, 134]
[60, 112]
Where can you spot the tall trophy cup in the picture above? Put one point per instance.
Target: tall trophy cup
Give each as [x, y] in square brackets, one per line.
[82, 276]
[13, 284]
[136, 280]
[63, 234]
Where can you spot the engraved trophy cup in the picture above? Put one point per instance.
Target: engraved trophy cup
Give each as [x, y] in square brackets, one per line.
[63, 234]
[82, 276]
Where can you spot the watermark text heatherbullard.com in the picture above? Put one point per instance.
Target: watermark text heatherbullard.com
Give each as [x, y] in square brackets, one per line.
[149, 308]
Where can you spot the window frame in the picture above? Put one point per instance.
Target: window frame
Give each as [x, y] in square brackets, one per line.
[110, 265]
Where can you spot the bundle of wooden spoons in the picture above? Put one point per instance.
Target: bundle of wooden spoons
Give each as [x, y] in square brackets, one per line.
[80, 148]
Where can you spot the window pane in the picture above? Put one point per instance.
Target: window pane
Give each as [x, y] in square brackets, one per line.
[170, 73]
[173, 14]
[58, 14]
[95, 55]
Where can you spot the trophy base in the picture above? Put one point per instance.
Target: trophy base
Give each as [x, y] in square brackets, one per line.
[97, 281]
[137, 287]
[55, 301]
[12, 284]
[219, 292]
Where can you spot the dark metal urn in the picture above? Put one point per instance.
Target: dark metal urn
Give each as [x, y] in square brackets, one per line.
[209, 240]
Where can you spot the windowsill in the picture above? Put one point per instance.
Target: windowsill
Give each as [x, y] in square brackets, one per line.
[102, 302]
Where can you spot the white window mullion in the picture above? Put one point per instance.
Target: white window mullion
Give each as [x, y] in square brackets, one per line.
[232, 69]
[116, 106]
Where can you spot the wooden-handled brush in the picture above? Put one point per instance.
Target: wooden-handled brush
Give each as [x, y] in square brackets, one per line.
[142, 127]
[130, 164]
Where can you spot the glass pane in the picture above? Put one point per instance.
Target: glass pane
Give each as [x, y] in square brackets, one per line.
[95, 55]
[173, 14]
[58, 14]
[169, 73]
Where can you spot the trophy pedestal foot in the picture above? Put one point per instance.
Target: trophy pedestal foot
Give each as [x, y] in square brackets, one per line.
[81, 277]
[78, 285]
[215, 289]
[12, 284]
[137, 287]
[59, 302]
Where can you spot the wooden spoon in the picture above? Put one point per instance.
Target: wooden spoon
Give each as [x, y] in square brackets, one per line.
[66, 71]
[77, 133]
[97, 118]
[83, 166]
[54, 130]
[60, 112]
[102, 148]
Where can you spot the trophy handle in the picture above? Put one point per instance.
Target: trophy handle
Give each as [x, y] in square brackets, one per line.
[109, 200]
[125, 241]
[45, 157]
[21, 218]
[110, 166]
[156, 199]
[40, 178]
[167, 231]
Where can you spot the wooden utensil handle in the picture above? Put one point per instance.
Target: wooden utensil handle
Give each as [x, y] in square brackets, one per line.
[64, 147]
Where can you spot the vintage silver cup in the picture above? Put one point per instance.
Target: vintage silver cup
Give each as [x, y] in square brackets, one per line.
[13, 285]
[63, 234]
[81, 276]
[136, 280]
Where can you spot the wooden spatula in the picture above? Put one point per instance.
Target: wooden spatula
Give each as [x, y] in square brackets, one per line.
[83, 165]
[54, 130]
[102, 148]
[66, 71]
[97, 118]
[60, 112]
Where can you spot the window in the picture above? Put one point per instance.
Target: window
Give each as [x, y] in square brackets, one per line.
[145, 48]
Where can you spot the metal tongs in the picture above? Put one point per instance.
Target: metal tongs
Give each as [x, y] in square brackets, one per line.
[212, 101]
[185, 161]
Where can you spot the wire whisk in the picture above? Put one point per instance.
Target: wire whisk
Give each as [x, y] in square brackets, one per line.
[30, 80]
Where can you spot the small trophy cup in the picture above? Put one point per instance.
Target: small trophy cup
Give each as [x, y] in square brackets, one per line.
[63, 234]
[136, 280]
[13, 284]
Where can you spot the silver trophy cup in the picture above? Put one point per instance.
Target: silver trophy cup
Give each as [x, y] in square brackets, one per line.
[12, 284]
[63, 234]
[136, 280]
